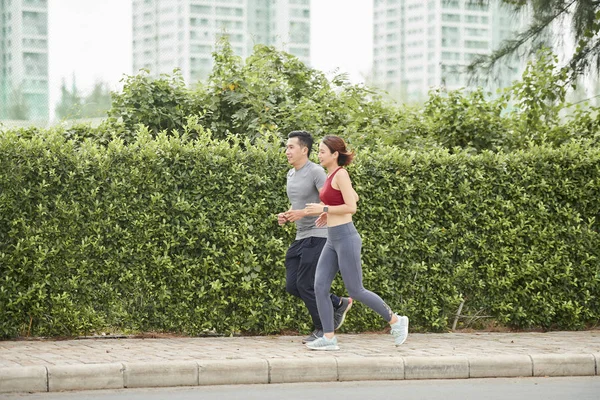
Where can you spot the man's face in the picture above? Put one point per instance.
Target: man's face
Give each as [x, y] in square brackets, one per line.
[295, 152]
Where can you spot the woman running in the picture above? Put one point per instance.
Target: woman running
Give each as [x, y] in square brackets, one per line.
[343, 246]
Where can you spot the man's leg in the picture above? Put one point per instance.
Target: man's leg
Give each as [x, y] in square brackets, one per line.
[292, 261]
[311, 250]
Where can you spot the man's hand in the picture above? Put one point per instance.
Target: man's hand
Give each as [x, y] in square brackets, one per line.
[281, 219]
[295, 215]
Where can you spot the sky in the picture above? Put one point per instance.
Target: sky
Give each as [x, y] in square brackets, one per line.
[90, 40]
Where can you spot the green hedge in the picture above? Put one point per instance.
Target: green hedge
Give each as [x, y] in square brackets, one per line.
[174, 235]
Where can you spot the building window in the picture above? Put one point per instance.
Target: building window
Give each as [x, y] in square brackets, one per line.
[196, 9]
[451, 17]
[450, 4]
[450, 56]
[476, 32]
[471, 56]
[476, 44]
[476, 5]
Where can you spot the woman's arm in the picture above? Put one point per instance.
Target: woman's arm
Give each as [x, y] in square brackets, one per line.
[342, 180]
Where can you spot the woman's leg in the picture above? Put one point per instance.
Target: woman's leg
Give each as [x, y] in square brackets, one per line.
[327, 267]
[348, 251]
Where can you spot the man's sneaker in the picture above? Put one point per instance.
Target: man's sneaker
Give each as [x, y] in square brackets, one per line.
[400, 330]
[324, 344]
[339, 314]
[317, 333]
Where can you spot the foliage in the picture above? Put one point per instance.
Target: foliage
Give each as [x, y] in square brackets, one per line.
[97, 102]
[70, 102]
[545, 16]
[465, 120]
[272, 92]
[19, 109]
[160, 104]
[175, 235]
[73, 105]
[163, 217]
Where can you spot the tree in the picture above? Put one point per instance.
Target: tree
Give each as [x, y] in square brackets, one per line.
[162, 103]
[18, 109]
[273, 91]
[74, 105]
[70, 102]
[546, 16]
[97, 103]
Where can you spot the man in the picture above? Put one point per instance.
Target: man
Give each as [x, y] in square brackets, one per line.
[304, 181]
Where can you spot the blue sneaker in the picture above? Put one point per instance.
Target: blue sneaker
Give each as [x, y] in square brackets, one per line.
[400, 330]
[324, 344]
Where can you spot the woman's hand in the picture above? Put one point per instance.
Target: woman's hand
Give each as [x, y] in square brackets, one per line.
[321, 221]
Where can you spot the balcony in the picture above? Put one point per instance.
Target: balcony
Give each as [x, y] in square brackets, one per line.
[35, 30]
[35, 45]
[35, 5]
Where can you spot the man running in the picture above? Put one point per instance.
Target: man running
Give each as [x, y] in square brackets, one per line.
[304, 181]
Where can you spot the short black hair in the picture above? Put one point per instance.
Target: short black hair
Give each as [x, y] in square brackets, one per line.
[304, 138]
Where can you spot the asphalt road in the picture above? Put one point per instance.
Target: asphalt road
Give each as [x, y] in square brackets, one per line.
[579, 388]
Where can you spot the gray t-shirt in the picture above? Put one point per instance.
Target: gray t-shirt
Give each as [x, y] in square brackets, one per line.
[303, 187]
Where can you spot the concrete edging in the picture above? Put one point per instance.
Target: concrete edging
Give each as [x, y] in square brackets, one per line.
[372, 368]
[174, 373]
[447, 367]
[233, 372]
[564, 364]
[53, 378]
[24, 379]
[285, 370]
[85, 377]
[501, 366]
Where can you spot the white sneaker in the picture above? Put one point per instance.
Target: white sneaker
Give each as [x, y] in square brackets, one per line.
[400, 330]
[323, 343]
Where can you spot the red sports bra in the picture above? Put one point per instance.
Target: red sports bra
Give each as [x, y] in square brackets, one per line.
[329, 195]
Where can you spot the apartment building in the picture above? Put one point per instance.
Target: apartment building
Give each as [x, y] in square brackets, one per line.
[170, 34]
[420, 44]
[24, 88]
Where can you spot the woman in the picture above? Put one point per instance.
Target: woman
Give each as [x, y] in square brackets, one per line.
[342, 249]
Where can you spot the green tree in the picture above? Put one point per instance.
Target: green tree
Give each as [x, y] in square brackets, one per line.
[19, 109]
[582, 17]
[69, 106]
[273, 91]
[98, 102]
[162, 103]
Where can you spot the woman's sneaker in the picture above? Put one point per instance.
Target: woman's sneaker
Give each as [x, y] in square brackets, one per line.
[339, 314]
[400, 330]
[323, 343]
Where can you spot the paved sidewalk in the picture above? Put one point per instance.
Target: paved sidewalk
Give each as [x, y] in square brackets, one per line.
[120, 363]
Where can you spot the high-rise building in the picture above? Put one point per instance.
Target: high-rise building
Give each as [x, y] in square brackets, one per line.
[170, 34]
[419, 44]
[24, 59]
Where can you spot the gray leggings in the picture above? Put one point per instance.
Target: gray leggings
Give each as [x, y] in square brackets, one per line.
[342, 253]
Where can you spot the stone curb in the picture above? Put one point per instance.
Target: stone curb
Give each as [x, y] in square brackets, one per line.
[54, 378]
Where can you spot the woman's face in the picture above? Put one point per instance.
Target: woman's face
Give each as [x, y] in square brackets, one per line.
[326, 158]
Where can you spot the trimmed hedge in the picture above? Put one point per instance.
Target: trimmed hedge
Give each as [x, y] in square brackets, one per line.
[174, 235]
